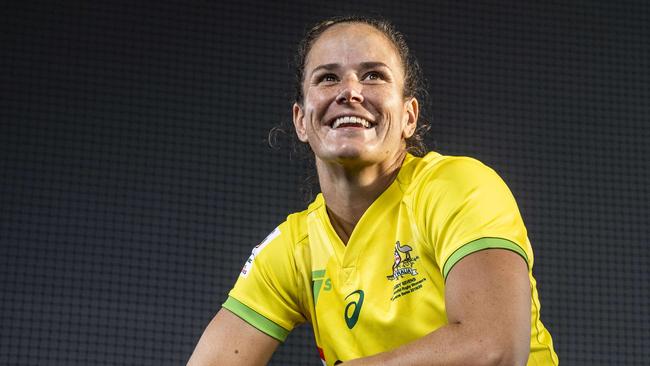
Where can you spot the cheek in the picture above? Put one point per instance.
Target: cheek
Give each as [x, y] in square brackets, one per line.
[394, 110]
[390, 98]
[317, 102]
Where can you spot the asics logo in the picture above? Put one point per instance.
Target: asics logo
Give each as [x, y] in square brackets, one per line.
[353, 308]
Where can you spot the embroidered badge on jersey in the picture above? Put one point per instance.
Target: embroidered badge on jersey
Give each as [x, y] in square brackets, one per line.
[404, 266]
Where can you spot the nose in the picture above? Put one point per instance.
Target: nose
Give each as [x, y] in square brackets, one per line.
[350, 93]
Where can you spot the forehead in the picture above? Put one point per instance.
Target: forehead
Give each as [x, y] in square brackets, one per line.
[351, 43]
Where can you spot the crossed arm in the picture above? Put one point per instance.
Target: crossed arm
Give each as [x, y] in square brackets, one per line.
[487, 298]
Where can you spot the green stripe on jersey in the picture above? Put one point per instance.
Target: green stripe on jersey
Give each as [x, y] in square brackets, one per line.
[317, 281]
[255, 319]
[480, 244]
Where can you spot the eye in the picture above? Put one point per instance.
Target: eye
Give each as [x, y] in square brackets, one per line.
[328, 78]
[374, 76]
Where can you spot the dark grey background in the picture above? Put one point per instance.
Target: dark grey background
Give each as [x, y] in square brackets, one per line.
[136, 176]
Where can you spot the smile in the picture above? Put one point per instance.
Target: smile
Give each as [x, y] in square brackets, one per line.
[351, 121]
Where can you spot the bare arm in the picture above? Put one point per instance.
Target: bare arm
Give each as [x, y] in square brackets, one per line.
[488, 307]
[230, 341]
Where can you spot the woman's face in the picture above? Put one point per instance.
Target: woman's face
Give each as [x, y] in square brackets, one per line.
[354, 110]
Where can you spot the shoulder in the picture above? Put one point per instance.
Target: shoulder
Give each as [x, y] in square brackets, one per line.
[453, 186]
[291, 233]
[449, 173]
[295, 226]
[280, 252]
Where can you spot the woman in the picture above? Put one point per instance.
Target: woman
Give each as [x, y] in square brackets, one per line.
[401, 260]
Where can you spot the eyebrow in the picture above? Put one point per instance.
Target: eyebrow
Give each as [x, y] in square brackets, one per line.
[364, 65]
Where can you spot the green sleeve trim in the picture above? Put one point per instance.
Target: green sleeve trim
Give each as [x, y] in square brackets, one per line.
[481, 244]
[255, 319]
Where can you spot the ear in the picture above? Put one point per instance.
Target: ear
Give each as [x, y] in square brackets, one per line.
[299, 122]
[412, 112]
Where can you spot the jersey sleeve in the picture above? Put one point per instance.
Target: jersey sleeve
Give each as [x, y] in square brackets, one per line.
[266, 294]
[463, 207]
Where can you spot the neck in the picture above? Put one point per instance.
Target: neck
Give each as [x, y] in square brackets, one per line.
[349, 191]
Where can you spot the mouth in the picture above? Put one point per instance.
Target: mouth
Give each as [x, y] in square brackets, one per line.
[350, 122]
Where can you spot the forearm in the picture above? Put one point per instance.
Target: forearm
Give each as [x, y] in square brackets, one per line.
[454, 344]
[487, 300]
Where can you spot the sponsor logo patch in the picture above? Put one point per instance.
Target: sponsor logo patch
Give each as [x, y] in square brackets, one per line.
[248, 266]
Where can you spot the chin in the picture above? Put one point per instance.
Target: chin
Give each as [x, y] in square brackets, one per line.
[351, 155]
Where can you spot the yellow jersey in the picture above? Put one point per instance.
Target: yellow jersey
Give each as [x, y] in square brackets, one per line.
[385, 287]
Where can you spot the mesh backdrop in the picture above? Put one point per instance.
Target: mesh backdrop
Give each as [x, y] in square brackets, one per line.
[136, 174]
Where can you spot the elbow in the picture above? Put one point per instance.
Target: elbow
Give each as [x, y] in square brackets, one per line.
[507, 353]
[505, 358]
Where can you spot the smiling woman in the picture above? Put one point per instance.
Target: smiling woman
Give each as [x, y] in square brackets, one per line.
[354, 71]
[402, 259]
[413, 79]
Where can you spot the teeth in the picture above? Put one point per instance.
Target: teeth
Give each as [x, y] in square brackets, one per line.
[348, 120]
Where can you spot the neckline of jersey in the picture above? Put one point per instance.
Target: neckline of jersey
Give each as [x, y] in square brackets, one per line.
[348, 254]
